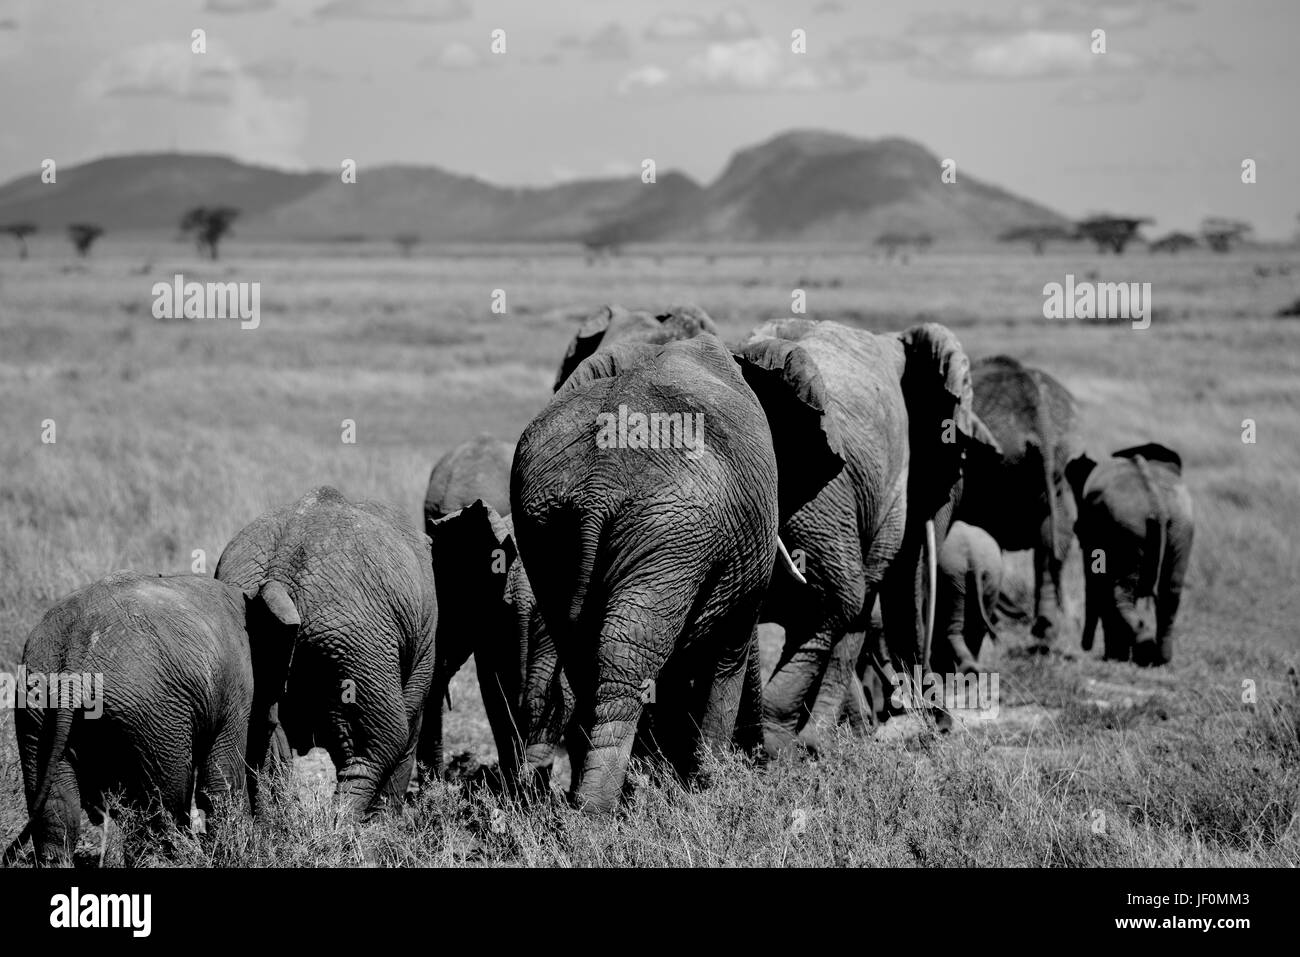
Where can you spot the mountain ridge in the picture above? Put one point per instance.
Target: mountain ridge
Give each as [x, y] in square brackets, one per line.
[801, 185]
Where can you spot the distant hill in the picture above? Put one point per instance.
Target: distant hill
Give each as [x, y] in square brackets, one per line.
[799, 186]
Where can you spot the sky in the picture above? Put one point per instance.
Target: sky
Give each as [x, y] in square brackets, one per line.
[1157, 125]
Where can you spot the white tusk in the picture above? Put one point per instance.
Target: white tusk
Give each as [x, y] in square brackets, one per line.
[932, 572]
[788, 563]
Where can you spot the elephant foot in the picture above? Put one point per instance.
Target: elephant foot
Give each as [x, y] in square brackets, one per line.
[778, 741]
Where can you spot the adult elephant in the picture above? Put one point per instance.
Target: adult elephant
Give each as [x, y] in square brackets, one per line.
[898, 410]
[161, 669]
[1135, 530]
[486, 608]
[612, 324]
[478, 468]
[646, 498]
[1022, 498]
[360, 665]
[970, 579]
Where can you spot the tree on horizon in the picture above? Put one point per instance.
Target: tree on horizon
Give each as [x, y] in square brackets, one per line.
[209, 225]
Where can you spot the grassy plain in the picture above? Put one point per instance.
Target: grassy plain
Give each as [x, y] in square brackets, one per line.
[171, 435]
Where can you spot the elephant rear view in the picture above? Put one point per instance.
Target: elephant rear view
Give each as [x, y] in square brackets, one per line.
[970, 579]
[1022, 497]
[645, 501]
[148, 691]
[1135, 530]
[899, 407]
[356, 674]
[478, 468]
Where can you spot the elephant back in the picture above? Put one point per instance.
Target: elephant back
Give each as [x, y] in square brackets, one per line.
[1018, 403]
[338, 560]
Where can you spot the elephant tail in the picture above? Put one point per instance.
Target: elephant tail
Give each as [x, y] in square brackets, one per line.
[589, 529]
[53, 745]
[973, 587]
[1157, 523]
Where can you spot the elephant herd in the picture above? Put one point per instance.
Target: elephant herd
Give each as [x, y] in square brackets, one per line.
[608, 572]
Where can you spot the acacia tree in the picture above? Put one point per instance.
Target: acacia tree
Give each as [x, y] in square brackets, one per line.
[1037, 236]
[209, 225]
[1222, 234]
[1173, 243]
[83, 236]
[20, 232]
[1111, 232]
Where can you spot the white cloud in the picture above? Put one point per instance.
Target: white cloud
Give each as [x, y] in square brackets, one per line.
[761, 65]
[1033, 54]
[643, 78]
[231, 112]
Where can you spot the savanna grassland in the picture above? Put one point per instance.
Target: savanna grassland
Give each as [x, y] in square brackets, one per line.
[173, 434]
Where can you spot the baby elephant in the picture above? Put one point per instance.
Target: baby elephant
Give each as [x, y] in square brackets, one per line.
[161, 714]
[1135, 525]
[486, 608]
[361, 663]
[969, 579]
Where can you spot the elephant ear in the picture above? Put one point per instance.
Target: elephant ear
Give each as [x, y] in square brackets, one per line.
[473, 551]
[1153, 452]
[616, 359]
[273, 623]
[805, 433]
[942, 423]
[1077, 471]
[588, 339]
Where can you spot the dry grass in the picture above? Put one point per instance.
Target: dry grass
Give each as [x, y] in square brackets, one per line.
[172, 435]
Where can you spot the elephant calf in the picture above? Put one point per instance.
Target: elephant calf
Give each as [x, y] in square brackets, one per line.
[486, 608]
[969, 580]
[478, 468]
[355, 675]
[172, 658]
[1135, 526]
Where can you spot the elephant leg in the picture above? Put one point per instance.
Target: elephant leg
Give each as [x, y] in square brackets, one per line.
[956, 617]
[721, 701]
[1117, 636]
[56, 831]
[370, 738]
[832, 691]
[625, 673]
[399, 781]
[503, 714]
[221, 775]
[793, 684]
[1047, 577]
[1170, 597]
[748, 736]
